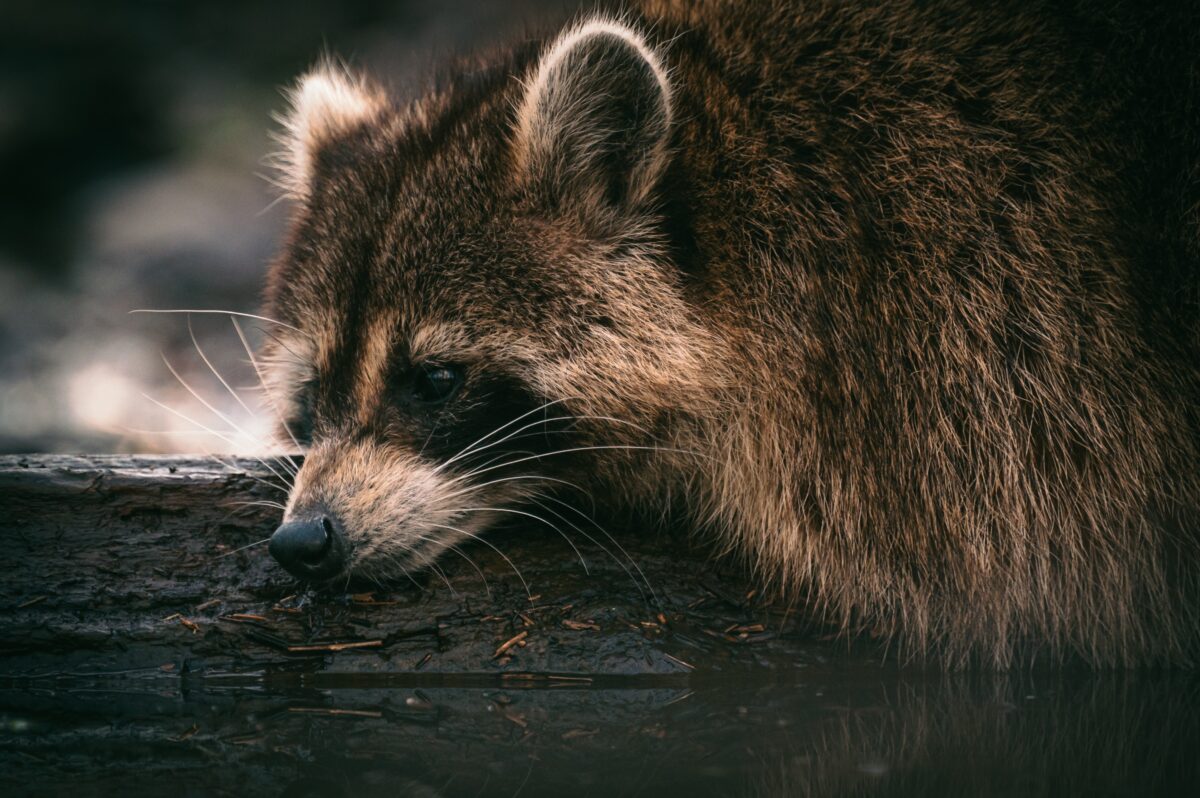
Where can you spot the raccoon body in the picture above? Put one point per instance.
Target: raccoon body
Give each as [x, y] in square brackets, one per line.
[899, 299]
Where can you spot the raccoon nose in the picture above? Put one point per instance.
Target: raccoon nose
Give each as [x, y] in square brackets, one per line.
[310, 548]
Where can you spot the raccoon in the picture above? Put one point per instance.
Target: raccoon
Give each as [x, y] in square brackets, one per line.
[897, 299]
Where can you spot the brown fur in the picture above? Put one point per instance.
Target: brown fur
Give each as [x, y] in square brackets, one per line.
[902, 295]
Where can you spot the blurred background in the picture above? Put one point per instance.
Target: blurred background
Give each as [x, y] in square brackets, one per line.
[133, 135]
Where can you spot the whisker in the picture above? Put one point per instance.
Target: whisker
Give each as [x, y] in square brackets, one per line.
[398, 561]
[207, 454]
[544, 434]
[213, 432]
[535, 517]
[601, 546]
[428, 438]
[494, 458]
[471, 446]
[140, 431]
[576, 449]
[281, 488]
[263, 382]
[233, 393]
[243, 548]
[231, 467]
[284, 483]
[475, 447]
[399, 564]
[214, 410]
[437, 570]
[518, 478]
[487, 588]
[262, 503]
[571, 418]
[283, 344]
[219, 312]
[489, 544]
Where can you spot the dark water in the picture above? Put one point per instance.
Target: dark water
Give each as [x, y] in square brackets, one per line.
[857, 732]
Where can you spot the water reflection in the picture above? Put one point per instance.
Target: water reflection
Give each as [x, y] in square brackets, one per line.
[869, 733]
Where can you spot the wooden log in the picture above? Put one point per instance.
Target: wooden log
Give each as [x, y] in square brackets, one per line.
[147, 645]
[118, 564]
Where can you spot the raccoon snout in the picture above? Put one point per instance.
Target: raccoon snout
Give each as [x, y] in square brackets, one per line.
[312, 547]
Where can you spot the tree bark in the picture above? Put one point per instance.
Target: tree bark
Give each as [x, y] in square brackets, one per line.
[117, 564]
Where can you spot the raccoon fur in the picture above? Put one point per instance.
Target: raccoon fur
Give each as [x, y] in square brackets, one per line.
[898, 299]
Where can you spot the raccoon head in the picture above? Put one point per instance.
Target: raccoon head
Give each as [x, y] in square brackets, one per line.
[477, 302]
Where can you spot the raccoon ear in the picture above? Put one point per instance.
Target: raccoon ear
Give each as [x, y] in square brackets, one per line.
[325, 103]
[594, 122]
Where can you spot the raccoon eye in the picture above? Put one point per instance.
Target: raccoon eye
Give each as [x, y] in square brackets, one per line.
[434, 385]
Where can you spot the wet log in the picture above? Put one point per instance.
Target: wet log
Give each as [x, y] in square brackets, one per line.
[148, 645]
[117, 564]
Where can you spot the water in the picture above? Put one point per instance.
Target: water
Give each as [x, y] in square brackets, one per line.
[858, 730]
